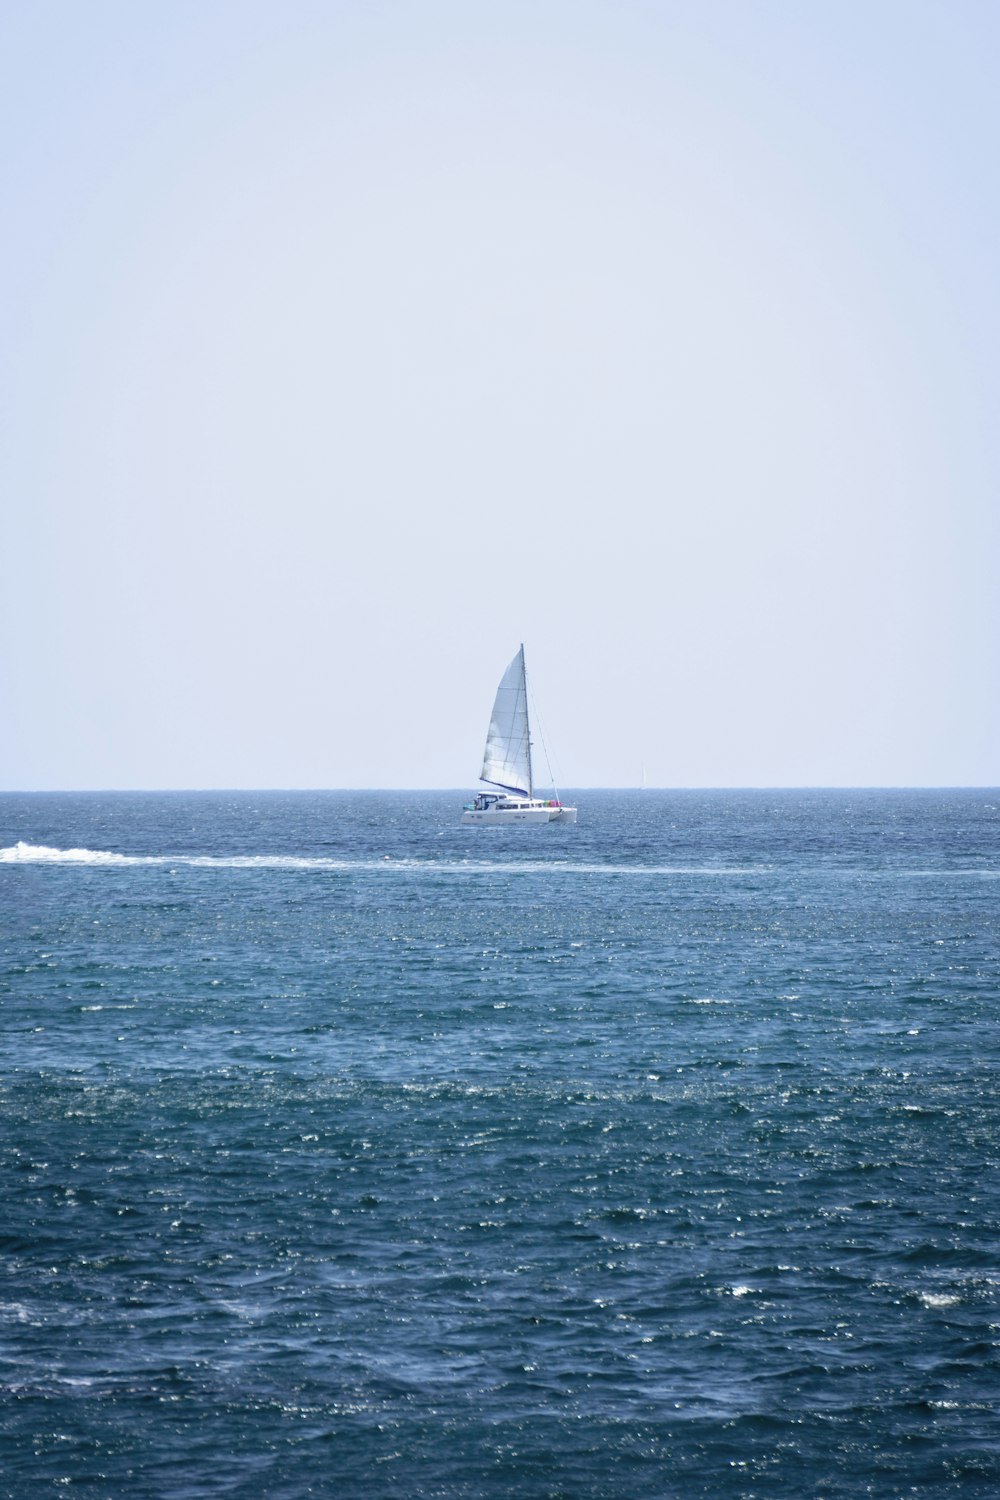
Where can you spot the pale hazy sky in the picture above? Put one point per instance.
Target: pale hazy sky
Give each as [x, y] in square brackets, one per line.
[347, 345]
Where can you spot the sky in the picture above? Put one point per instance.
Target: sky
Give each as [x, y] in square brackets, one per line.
[345, 346]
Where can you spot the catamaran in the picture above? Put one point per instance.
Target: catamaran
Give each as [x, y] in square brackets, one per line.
[507, 762]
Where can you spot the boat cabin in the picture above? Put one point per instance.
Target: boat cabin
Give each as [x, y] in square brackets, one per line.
[502, 802]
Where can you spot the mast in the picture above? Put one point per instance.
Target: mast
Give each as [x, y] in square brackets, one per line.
[527, 722]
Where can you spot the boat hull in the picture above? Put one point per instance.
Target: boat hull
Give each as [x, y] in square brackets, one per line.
[503, 817]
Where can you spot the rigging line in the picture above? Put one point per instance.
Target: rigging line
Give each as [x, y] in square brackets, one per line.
[545, 748]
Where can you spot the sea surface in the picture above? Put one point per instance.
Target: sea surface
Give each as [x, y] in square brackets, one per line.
[350, 1152]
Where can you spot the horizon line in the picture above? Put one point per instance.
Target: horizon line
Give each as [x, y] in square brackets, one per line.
[858, 786]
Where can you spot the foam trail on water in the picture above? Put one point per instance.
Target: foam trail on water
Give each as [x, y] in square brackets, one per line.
[40, 854]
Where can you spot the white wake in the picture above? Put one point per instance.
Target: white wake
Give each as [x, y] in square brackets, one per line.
[42, 854]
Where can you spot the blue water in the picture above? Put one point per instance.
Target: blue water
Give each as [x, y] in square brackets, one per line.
[350, 1152]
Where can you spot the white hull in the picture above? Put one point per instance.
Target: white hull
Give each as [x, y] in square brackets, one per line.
[503, 817]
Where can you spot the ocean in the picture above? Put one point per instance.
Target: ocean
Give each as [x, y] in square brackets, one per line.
[347, 1151]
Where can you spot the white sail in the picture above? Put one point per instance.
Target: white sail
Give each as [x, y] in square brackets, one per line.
[507, 761]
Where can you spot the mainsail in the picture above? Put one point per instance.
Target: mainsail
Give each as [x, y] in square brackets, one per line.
[507, 761]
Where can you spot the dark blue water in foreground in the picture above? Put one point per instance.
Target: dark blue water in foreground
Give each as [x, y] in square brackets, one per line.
[348, 1152]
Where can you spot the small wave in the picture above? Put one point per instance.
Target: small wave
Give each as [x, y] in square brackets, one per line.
[14, 1312]
[42, 854]
[937, 1299]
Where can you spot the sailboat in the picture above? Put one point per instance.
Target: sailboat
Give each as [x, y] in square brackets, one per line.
[507, 762]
